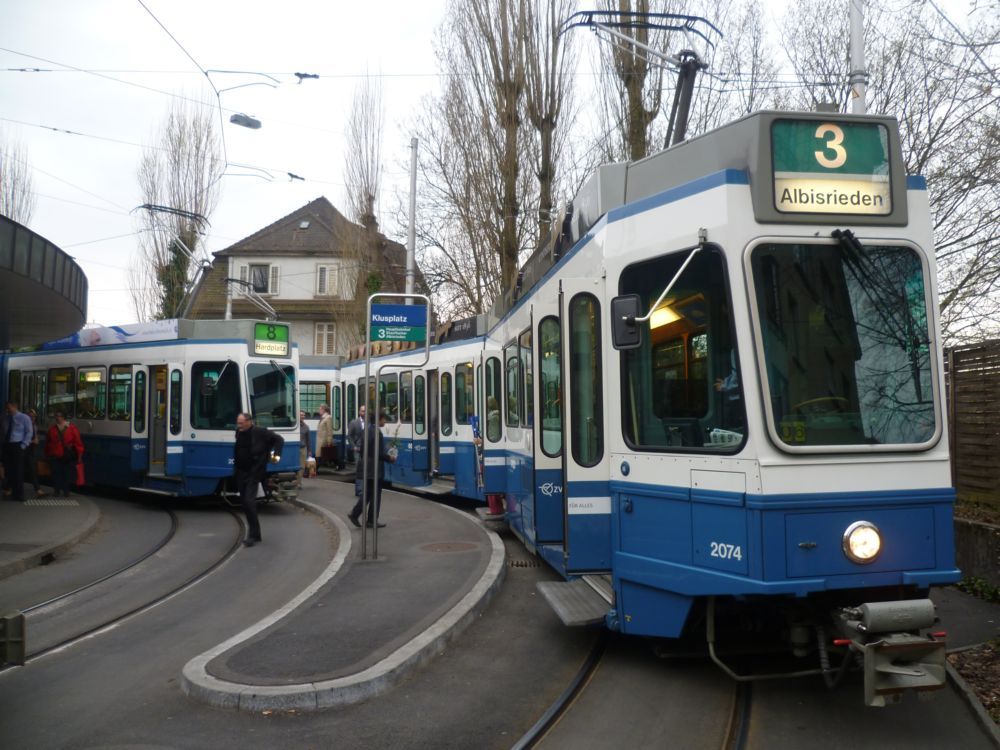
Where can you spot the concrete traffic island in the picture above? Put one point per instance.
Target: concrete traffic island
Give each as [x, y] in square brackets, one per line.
[361, 626]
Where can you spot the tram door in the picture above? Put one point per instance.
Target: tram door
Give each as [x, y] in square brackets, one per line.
[548, 444]
[433, 421]
[139, 455]
[158, 420]
[586, 489]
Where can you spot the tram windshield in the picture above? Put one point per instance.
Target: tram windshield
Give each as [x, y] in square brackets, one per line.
[846, 344]
[272, 394]
[681, 386]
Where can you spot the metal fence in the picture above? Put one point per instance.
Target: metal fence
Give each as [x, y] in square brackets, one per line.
[973, 382]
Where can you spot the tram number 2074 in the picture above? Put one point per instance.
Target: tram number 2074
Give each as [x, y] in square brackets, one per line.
[725, 551]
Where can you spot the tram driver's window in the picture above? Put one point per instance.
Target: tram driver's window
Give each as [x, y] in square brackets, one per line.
[681, 385]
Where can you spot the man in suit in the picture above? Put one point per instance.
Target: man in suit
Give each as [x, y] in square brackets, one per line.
[356, 432]
[373, 438]
[251, 454]
[16, 431]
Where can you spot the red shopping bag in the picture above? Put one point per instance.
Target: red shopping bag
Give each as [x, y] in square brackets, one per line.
[80, 479]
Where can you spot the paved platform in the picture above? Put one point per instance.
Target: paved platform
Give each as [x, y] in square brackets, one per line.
[41, 529]
[363, 625]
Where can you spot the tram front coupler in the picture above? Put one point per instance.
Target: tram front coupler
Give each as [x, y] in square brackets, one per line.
[897, 657]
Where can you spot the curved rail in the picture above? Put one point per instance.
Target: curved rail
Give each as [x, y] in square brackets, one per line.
[566, 699]
[162, 543]
[236, 545]
[738, 728]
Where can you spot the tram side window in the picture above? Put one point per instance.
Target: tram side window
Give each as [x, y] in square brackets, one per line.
[176, 389]
[681, 386]
[91, 393]
[140, 402]
[527, 387]
[352, 406]
[62, 392]
[388, 388]
[120, 393]
[513, 384]
[493, 386]
[311, 397]
[587, 396]
[463, 393]
[550, 385]
[14, 387]
[446, 403]
[335, 408]
[418, 405]
[406, 397]
[215, 395]
[272, 394]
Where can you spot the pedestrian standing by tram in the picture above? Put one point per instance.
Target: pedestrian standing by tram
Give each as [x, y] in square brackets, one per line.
[17, 431]
[31, 454]
[356, 431]
[367, 456]
[253, 449]
[324, 436]
[64, 449]
[303, 448]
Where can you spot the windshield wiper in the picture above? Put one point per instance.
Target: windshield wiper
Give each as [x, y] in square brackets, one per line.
[282, 371]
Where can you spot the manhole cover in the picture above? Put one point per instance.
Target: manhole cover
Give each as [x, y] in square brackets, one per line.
[449, 546]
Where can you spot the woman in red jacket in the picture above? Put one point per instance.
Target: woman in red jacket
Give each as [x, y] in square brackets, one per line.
[64, 449]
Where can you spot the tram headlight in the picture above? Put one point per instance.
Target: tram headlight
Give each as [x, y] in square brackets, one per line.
[862, 542]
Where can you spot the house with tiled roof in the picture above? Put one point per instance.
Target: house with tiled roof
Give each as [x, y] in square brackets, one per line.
[315, 267]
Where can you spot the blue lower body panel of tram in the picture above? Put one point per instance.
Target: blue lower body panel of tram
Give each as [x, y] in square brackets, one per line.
[193, 471]
[673, 546]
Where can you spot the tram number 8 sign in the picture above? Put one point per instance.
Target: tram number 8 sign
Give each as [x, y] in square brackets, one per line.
[831, 167]
[270, 339]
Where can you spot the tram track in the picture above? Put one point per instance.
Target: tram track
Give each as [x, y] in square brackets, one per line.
[128, 566]
[61, 606]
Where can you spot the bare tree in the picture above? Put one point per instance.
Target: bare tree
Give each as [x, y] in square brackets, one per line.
[487, 55]
[743, 70]
[942, 87]
[179, 178]
[549, 61]
[632, 83]
[17, 195]
[362, 177]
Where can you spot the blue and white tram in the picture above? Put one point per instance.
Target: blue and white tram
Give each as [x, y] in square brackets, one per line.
[156, 403]
[720, 388]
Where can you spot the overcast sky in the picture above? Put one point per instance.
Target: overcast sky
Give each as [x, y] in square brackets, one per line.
[87, 185]
[86, 181]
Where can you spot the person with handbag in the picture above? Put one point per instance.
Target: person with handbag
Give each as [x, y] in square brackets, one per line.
[64, 450]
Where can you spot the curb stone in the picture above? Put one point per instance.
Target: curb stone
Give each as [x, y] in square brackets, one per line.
[343, 691]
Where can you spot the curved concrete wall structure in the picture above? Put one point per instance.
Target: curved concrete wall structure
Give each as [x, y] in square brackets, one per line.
[43, 292]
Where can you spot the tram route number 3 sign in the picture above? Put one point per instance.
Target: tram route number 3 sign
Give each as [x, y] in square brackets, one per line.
[399, 323]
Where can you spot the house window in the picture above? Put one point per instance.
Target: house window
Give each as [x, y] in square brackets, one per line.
[262, 278]
[326, 280]
[326, 339]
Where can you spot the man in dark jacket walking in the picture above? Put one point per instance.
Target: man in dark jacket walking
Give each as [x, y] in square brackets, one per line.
[254, 446]
[367, 456]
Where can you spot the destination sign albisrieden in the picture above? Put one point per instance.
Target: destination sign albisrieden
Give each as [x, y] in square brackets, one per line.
[398, 323]
[831, 167]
